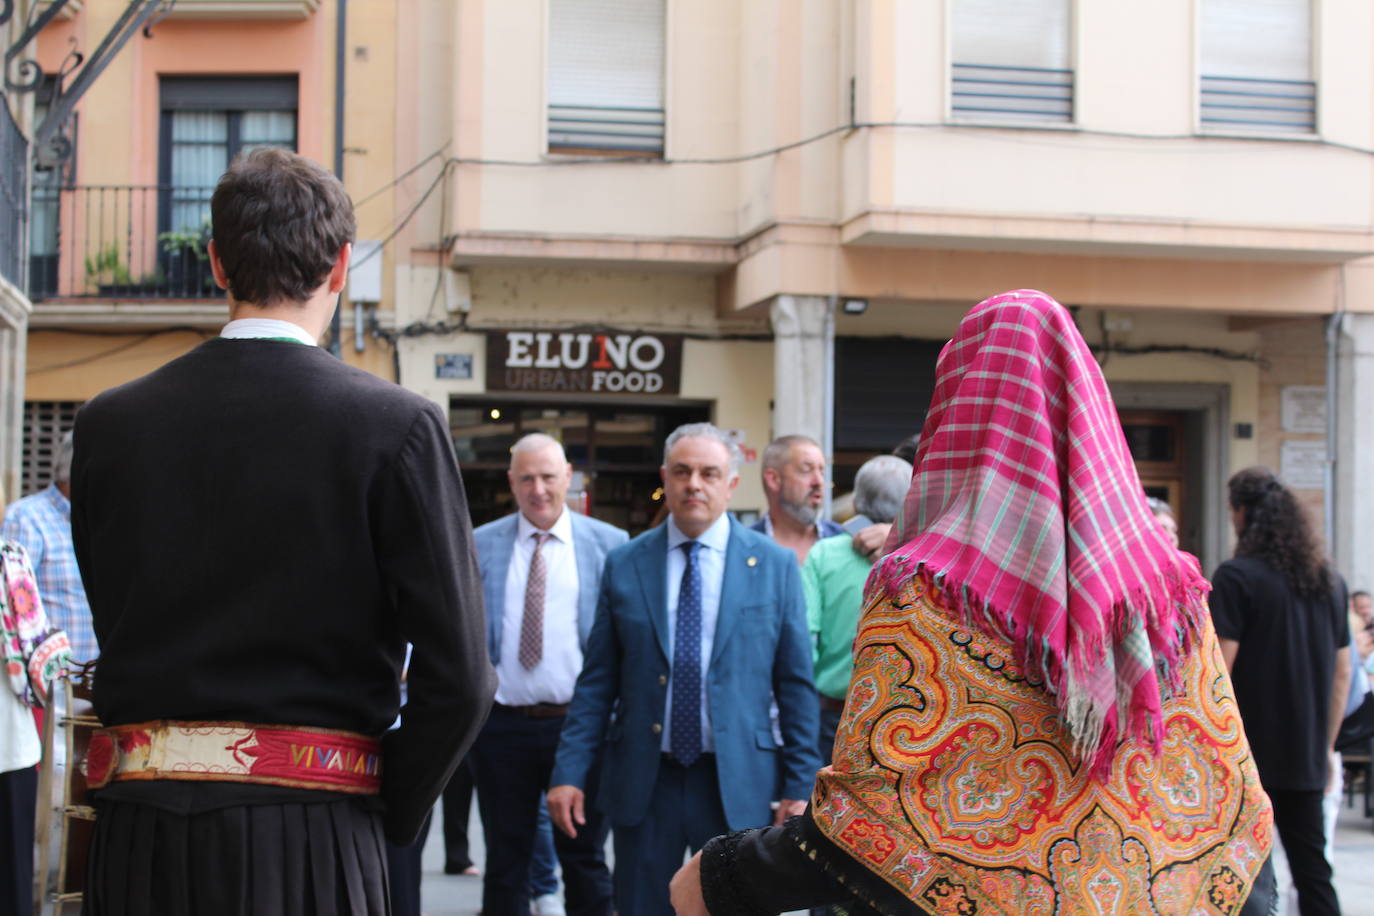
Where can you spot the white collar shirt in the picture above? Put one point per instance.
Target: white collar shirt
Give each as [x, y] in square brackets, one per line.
[553, 679]
[711, 561]
[259, 328]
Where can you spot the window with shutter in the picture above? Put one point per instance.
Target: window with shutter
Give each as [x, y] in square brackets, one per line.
[1257, 66]
[606, 75]
[206, 122]
[1011, 61]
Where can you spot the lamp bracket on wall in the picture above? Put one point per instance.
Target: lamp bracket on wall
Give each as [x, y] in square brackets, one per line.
[50, 145]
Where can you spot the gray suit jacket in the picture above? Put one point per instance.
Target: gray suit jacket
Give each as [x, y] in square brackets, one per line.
[495, 541]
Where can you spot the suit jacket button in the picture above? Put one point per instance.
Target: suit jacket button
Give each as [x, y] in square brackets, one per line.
[656, 728]
[662, 680]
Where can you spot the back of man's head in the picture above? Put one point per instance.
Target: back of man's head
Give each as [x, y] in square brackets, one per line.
[880, 487]
[62, 468]
[279, 221]
[777, 453]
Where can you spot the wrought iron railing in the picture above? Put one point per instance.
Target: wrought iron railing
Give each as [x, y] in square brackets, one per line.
[120, 242]
[1283, 106]
[1011, 93]
[14, 160]
[629, 129]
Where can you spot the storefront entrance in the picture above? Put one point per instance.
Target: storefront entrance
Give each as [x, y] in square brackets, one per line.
[615, 450]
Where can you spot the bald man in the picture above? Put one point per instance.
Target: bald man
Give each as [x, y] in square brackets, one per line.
[541, 574]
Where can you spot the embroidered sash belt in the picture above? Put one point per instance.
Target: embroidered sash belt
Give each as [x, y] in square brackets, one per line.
[274, 755]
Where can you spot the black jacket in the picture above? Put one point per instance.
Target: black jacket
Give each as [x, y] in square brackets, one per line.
[261, 529]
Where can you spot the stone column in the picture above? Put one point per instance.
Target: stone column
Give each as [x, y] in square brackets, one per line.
[803, 371]
[1354, 472]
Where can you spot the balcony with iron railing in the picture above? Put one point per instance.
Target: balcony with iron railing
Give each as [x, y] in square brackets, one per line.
[13, 163]
[119, 242]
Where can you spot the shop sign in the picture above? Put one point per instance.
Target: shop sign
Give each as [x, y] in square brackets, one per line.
[453, 365]
[584, 362]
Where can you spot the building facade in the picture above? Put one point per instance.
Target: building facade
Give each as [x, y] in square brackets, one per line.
[116, 260]
[601, 219]
[16, 127]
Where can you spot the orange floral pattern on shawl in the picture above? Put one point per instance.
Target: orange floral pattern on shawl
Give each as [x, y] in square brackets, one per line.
[954, 781]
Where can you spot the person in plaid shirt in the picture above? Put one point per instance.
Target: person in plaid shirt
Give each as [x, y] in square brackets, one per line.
[43, 524]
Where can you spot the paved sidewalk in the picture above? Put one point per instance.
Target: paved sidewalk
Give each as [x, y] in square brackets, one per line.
[454, 895]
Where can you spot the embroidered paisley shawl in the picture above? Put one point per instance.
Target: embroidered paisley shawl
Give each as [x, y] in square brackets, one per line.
[954, 782]
[1039, 720]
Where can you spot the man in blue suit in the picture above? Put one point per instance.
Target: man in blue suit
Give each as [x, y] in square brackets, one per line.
[701, 624]
[541, 574]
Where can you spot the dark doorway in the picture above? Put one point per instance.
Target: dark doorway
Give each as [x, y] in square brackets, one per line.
[1163, 444]
[882, 391]
[615, 450]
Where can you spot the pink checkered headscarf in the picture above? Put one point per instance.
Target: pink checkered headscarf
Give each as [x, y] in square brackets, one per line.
[1026, 510]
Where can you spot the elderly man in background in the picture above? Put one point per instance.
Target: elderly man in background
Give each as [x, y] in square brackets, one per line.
[833, 578]
[42, 523]
[541, 574]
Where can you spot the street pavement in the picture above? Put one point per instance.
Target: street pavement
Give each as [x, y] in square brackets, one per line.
[456, 895]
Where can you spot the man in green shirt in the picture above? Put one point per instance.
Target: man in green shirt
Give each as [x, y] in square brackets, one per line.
[833, 579]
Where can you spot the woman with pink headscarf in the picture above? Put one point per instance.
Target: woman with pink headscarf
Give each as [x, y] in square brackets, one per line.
[1039, 719]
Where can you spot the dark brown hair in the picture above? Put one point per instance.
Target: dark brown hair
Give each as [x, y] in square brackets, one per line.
[1277, 530]
[278, 222]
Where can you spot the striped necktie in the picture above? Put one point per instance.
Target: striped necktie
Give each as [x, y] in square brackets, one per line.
[532, 624]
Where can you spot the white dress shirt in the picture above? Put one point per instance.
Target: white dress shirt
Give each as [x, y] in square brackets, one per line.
[711, 562]
[553, 679]
[19, 744]
[258, 328]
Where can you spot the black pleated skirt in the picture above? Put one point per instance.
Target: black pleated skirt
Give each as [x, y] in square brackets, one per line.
[290, 859]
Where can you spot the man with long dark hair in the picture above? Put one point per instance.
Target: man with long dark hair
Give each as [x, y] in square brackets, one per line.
[1279, 609]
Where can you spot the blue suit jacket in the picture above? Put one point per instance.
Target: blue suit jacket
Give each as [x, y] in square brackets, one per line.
[495, 541]
[761, 650]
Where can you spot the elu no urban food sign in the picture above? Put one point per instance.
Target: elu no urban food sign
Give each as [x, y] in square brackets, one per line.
[592, 362]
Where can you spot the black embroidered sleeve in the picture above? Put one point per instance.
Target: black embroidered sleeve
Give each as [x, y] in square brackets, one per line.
[765, 872]
[721, 884]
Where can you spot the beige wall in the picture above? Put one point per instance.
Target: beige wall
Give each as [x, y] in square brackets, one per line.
[1295, 354]
[76, 367]
[743, 78]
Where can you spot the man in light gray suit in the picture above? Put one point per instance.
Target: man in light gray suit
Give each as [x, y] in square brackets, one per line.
[541, 575]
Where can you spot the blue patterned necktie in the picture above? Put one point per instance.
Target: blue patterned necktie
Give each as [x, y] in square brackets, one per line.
[685, 742]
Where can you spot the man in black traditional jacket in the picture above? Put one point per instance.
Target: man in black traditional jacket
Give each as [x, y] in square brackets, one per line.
[261, 530]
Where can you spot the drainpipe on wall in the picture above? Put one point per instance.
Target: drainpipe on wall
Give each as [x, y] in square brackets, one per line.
[1334, 326]
[828, 405]
[340, 42]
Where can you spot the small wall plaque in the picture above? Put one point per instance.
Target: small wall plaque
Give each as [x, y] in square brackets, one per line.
[453, 365]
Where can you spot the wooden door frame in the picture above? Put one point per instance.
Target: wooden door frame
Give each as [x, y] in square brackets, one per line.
[1213, 402]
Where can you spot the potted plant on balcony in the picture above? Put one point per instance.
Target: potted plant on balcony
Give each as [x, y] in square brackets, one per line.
[106, 271]
[186, 261]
